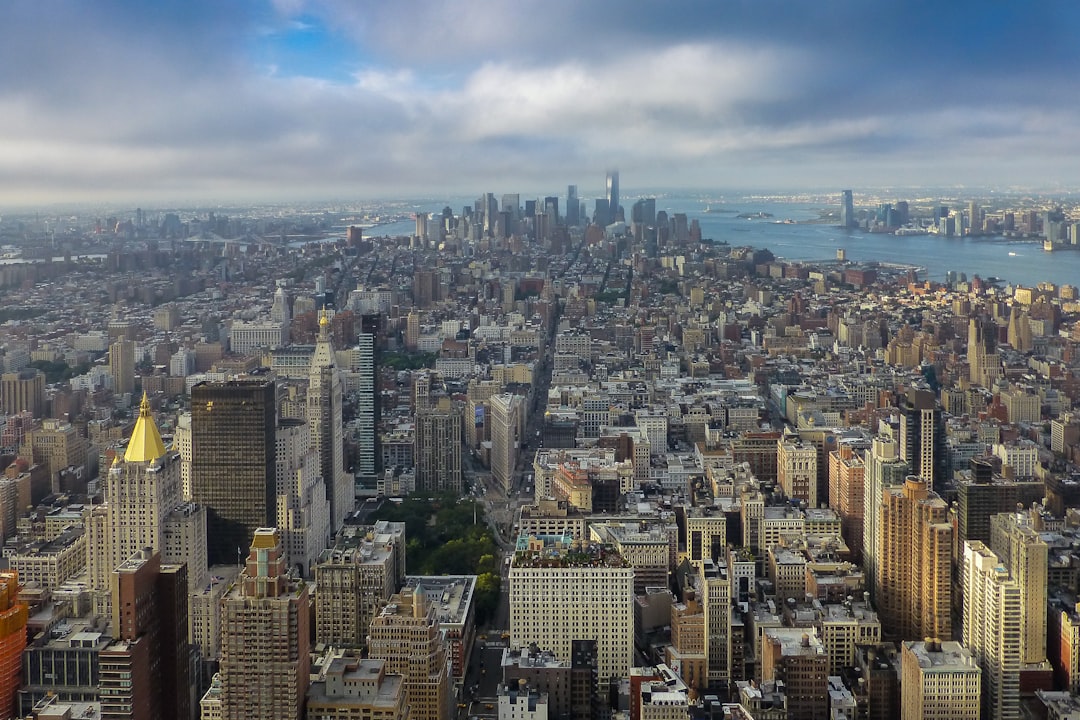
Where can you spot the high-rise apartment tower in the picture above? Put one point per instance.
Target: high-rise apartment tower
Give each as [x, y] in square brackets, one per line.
[265, 638]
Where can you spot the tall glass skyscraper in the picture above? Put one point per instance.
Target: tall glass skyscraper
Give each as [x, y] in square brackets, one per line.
[367, 414]
[613, 195]
[847, 210]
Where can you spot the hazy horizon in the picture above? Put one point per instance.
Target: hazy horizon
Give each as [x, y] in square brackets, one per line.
[813, 196]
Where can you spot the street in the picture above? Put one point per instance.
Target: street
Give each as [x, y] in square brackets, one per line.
[482, 677]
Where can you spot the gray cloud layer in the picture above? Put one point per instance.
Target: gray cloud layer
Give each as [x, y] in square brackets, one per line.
[156, 101]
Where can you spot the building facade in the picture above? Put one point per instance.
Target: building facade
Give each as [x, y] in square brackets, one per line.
[405, 635]
[437, 451]
[561, 591]
[939, 681]
[796, 466]
[914, 576]
[303, 510]
[355, 579]
[13, 617]
[993, 629]
[507, 420]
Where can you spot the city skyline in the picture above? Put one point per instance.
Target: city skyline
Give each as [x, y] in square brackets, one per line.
[297, 100]
[544, 443]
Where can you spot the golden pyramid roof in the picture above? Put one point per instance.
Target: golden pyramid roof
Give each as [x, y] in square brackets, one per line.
[145, 444]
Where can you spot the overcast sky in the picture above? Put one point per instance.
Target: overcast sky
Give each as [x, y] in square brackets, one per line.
[148, 102]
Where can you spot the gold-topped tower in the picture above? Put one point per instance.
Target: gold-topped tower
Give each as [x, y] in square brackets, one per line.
[145, 444]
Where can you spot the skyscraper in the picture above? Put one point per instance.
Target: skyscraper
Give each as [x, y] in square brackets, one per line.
[324, 419]
[884, 469]
[233, 474]
[1019, 331]
[601, 212]
[551, 208]
[847, 210]
[122, 366]
[507, 418]
[265, 639]
[438, 449]
[714, 589]
[922, 436]
[280, 310]
[511, 203]
[141, 491]
[13, 617]
[797, 656]
[367, 413]
[425, 288]
[303, 511]
[548, 606]
[57, 444]
[914, 564]
[984, 363]
[23, 391]
[145, 675]
[144, 509]
[1024, 552]
[490, 209]
[643, 212]
[847, 492]
[573, 206]
[796, 467]
[356, 577]
[688, 634]
[613, 195]
[406, 636]
[993, 629]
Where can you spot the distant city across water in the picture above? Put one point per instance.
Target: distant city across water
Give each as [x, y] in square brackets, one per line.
[1012, 260]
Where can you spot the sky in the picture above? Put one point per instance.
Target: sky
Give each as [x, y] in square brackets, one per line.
[277, 100]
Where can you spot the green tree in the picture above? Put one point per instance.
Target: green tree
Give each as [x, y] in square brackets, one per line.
[488, 588]
[59, 370]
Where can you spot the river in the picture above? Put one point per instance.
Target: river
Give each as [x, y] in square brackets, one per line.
[1013, 260]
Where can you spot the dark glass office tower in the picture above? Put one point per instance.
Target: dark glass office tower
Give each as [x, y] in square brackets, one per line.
[233, 473]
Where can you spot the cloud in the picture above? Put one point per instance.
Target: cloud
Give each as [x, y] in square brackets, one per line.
[119, 101]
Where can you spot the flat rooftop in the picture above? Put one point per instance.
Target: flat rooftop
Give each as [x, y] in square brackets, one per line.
[451, 595]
